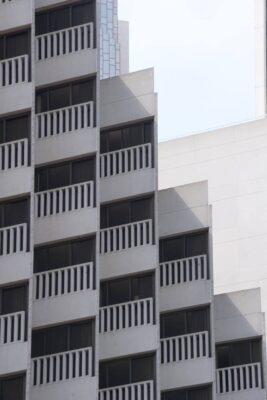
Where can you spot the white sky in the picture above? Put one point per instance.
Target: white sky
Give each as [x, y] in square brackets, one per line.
[203, 55]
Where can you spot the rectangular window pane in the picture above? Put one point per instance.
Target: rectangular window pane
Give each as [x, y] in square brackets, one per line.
[38, 343]
[17, 45]
[41, 23]
[17, 128]
[173, 324]
[59, 19]
[241, 353]
[83, 171]
[82, 13]
[41, 180]
[119, 214]
[82, 251]
[223, 356]
[59, 256]
[196, 245]
[59, 176]
[80, 335]
[42, 101]
[141, 210]
[59, 97]
[13, 388]
[115, 140]
[197, 321]
[118, 373]
[256, 351]
[16, 213]
[118, 291]
[142, 287]
[82, 92]
[142, 369]
[172, 249]
[14, 299]
[56, 340]
[41, 260]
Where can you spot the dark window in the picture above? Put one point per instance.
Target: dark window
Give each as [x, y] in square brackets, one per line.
[65, 95]
[12, 388]
[64, 254]
[62, 338]
[190, 245]
[188, 394]
[183, 322]
[65, 17]
[126, 212]
[66, 174]
[13, 299]
[238, 353]
[129, 136]
[126, 371]
[127, 289]
[15, 128]
[14, 212]
[14, 45]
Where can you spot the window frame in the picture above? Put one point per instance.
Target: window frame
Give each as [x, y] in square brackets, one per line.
[16, 286]
[230, 346]
[6, 36]
[7, 203]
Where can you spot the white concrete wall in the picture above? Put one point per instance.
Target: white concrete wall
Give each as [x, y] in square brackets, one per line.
[123, 34]
[234, 162]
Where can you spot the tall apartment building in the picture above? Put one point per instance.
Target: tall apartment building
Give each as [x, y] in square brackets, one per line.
[106, 284]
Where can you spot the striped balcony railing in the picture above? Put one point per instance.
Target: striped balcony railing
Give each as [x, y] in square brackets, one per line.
[14, 154]
[237, 378]
[59, 282]
[64, 120]
[126, 160]
[66, 41]
[124, 237]
[62, 366]
[185, 347]
[126, 315]
[14, 70]
[65, 199]
[13, 239]
[183, 271]
[12, 327]
[133, 391]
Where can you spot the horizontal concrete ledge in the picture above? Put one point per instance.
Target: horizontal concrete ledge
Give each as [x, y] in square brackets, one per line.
[13, 357]
[15, 182]
[17, 97]
[15, 267]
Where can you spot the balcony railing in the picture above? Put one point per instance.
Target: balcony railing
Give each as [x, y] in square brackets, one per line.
[66, 41]
[14, 154]
[124, 237]
[241, 377]
[185, 347]
[64, 199]
[183, 271]
[14, 70]
[126, 160]
[133, 391]
[58, 282]
[62, 366]
[126, 315]
[63, 120]
[13, 239]
[12, 328]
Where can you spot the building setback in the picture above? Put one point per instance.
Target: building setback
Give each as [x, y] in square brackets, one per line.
[106, 283]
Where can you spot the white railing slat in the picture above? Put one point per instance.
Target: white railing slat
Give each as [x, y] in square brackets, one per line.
[237, 378]
[12, 328]
[14, 70]
[14, 154]
[133, 391]
[13, 239]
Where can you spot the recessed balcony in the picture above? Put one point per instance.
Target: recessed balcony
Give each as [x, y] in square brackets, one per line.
[65, 212]
[65, 54]
[185, 281]
[15, 174]
[241, 382]
[15, 86]
[127, 328]
[127, 248]
[127, 172]
[13, 347]
[65, 133]
[64, 294]
[70, 372]
[133, 391]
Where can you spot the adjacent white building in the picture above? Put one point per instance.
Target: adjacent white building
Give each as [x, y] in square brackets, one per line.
[106, 283]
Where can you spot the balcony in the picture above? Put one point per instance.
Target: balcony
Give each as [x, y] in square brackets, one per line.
[65, 133]
[15, 84]
[175, 278]
[65, 212]
[15, 13]
[64, 294]
[65, 54]
[60, 373]
[127, 328]
[127, 172]
[129, 246]
[134, 391]
[12, 342]
[15, 177]
[244, 381]
[185, 361]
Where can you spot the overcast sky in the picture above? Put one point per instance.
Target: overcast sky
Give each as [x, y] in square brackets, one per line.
[203, 55]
